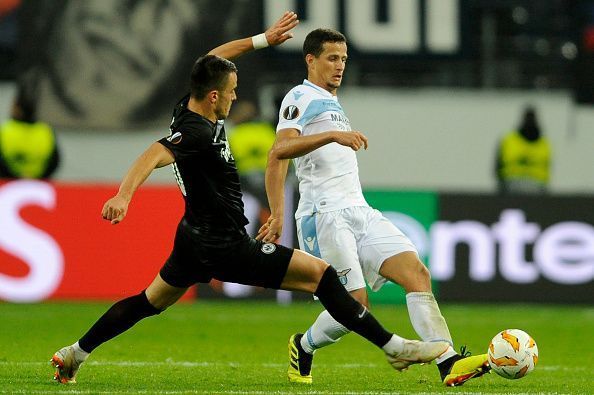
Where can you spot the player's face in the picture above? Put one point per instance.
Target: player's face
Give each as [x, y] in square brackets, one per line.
[226, 97]
[327, 69]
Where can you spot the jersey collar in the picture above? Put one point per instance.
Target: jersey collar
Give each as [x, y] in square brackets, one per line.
[324, 92]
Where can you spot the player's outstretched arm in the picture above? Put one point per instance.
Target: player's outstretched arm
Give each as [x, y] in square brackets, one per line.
[290, 144]
[275, 35]
[155, 156]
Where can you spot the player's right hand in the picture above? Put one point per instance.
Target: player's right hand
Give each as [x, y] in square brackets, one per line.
[115, 209]
[353, 139]
[271, 231]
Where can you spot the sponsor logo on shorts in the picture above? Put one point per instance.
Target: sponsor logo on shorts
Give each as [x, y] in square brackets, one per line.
[342, 276]
[310, 242]
[268, 248]
[291, 112]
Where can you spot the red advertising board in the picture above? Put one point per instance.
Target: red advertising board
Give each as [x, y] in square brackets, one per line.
[54, 243]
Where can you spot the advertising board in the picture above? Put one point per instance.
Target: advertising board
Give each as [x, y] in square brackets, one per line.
[55, 245]
[528, 249]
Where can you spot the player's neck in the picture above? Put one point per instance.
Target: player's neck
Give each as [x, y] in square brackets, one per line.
[322, 85]
[203, 108]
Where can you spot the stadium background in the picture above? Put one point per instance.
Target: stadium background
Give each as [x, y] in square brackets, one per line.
[433, 83]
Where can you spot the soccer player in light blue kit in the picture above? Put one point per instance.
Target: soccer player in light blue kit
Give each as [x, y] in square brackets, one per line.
[335, 222]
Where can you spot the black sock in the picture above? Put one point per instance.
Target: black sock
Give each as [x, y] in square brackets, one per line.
[445, 366]
[118, 319]
[346, 310]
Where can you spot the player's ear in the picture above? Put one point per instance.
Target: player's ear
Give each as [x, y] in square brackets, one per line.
[212, 96]
[309, 58]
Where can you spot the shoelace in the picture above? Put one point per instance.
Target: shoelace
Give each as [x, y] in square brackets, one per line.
[464, 352]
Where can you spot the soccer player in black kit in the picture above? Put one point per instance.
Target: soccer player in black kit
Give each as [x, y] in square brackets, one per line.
[211, 241]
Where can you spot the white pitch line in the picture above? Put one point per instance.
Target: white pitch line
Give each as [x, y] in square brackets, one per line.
[186, 364]
[194, 364]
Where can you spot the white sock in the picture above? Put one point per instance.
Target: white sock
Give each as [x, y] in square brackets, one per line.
[323, 332]
[394, 346]
[79, 353]
[427, 320]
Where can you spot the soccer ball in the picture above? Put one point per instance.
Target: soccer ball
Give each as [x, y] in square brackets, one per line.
[512, 353]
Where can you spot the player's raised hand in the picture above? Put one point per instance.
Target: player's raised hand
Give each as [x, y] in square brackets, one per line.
[281, 30]
[115, 209]
[271, 231]
[353, 139]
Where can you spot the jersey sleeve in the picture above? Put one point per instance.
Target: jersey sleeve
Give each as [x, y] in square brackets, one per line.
[187, 141]
[291, 111]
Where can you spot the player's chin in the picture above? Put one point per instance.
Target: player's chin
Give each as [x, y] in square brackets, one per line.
[334, 84]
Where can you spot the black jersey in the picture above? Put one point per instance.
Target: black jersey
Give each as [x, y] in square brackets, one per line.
[206, 174]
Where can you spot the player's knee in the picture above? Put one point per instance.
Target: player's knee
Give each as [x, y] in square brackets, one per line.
[160, 302]
[319, 268]
[158, 305]
[424, 273]
[407, 270]
[420, 280]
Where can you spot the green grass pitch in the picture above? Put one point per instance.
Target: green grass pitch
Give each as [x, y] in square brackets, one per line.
[241, 348]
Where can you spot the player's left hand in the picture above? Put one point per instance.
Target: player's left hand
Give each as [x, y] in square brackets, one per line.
[281, 30]
[271, 231]
[355, 139]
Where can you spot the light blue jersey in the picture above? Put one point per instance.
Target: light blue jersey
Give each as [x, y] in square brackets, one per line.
[328, 176]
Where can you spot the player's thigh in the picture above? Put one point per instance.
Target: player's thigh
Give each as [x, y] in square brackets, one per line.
[330, 237]
[185, 265]
[407, 270]
[251, 262]
[387, 254]
[304, 272]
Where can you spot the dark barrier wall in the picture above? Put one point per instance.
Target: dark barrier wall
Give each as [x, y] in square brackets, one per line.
[114, 64]
[530, 249]
[111, 64]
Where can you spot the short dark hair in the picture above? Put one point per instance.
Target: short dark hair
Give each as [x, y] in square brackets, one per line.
[314, 42]
[209, 73]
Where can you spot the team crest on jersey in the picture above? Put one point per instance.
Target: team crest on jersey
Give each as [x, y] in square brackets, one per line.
[268, 248]
[175, 138]
[342, 276]
[291, 112]
[226, 152]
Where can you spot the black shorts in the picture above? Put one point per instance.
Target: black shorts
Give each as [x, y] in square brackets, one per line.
[245, 261]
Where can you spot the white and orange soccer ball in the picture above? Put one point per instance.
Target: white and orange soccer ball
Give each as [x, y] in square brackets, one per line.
[512, 353]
